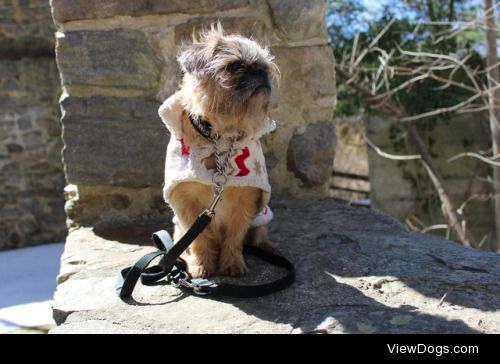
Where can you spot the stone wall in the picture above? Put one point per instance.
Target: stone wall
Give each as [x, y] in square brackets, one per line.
[117, 61]
[410, 196]
[31, 173]
[350, 177]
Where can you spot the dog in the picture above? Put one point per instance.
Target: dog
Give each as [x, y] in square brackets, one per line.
[226, 90]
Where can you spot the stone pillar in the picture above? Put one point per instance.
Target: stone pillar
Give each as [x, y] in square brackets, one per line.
[31, 172]
[117, 61]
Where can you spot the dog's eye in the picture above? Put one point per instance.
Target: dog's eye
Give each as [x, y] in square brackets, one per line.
[235, 66]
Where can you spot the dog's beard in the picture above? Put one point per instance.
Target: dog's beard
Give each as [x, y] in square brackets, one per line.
[241, 104]
[248, 94]
[248, 87]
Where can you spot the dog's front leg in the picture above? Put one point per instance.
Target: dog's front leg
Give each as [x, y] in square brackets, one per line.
[201, 257]
[231, 260]
[239, 207]
[188, 200]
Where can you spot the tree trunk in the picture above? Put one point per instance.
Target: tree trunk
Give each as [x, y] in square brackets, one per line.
[430, 10]
[451, 10]
[494, 106]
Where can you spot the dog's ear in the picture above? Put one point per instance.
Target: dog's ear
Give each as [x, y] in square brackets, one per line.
[194, 59]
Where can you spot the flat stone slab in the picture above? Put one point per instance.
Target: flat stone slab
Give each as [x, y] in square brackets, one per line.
[358, 271]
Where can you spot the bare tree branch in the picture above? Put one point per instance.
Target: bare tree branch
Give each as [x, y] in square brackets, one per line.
[396, 113]
[404, 85]
[373, 84]
[373, 43]
[381, 153]
[435, 227]
[474, 197]
[444, 57]
[353, 52]
[455, 220]
[441, 110]
[490, 160]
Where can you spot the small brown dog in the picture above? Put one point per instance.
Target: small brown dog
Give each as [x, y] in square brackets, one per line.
[226, 91]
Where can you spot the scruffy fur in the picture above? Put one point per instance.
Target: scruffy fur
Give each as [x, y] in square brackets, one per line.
[228, 80]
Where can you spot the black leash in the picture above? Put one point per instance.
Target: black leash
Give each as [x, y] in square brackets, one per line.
[174, 269]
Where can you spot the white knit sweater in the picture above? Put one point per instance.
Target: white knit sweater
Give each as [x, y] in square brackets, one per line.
[247, 166]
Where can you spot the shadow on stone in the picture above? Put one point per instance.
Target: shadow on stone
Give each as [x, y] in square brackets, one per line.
[358, 271]
[130, 234]
[358, 315]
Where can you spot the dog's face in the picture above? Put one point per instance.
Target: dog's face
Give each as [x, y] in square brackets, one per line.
[229, 79]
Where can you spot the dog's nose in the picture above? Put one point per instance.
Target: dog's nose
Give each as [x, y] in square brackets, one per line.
[259, 72]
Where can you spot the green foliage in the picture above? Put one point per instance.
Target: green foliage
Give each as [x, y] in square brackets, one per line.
[348, 103]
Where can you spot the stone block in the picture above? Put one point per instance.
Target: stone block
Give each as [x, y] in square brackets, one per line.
[358, 271]
[463, 133]
[401, 185]
[118, 59]
[68, 10]
[26, 28]
[401, 208]
[350, 179]
[88, 205]
[115, 141]
[306, 91]
[310, 155]
[248, 26]
[347, 195]
[300, 20]
[350, 184]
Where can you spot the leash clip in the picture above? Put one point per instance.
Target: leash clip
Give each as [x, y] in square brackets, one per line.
[178, 278]
[210, 211]
[199, 286]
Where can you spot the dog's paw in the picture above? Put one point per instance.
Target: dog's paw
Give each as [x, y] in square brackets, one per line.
[233, 267]
[200, 270]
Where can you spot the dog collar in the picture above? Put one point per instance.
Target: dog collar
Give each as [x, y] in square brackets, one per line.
[203, 127]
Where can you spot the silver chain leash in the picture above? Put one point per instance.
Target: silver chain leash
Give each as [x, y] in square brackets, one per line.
[219, 178]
